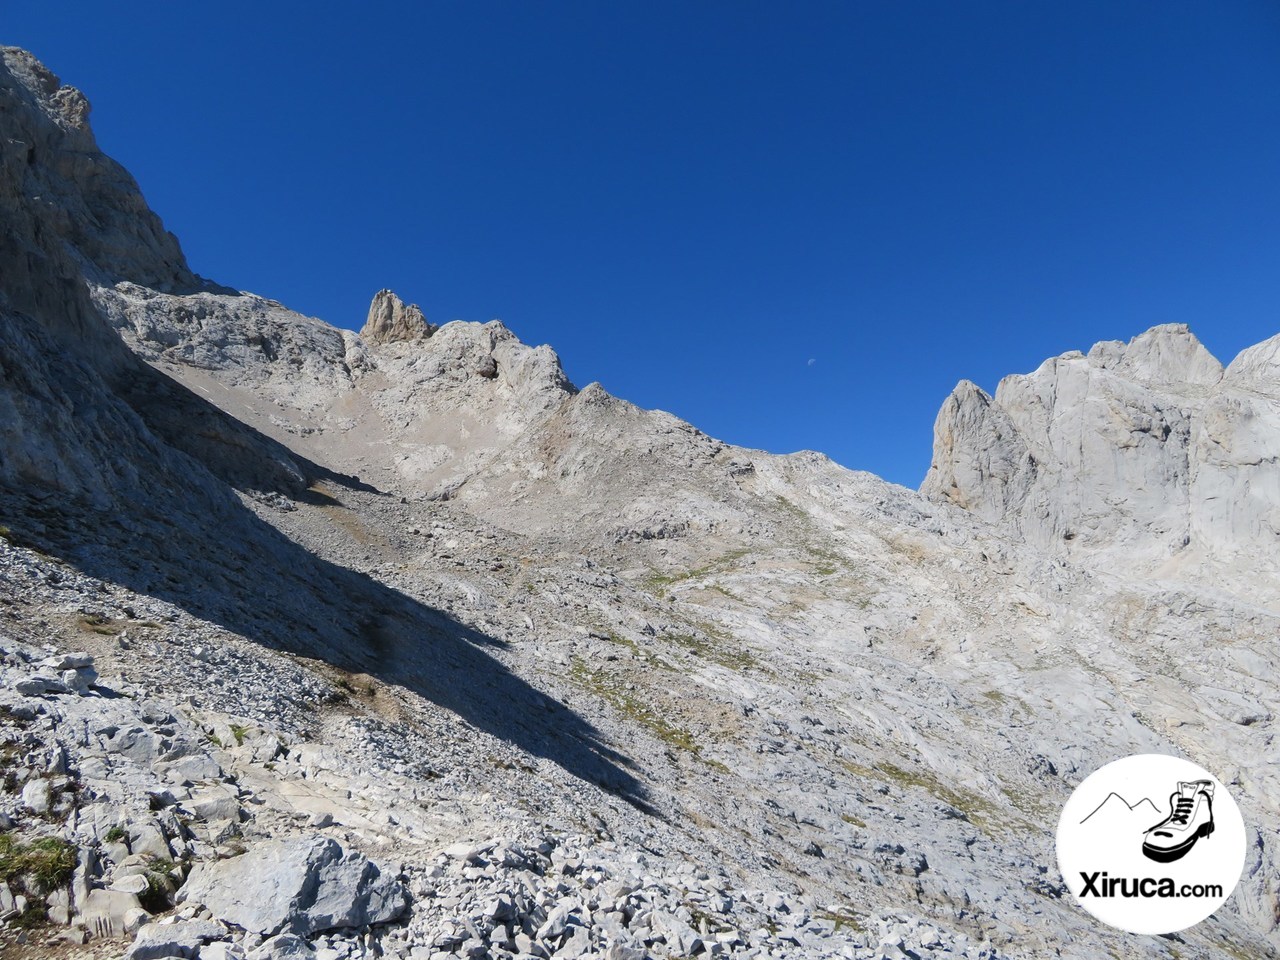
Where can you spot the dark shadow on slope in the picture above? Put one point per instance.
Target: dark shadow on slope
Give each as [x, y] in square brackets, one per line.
[214, 558]
[241, 573]
[232, 451]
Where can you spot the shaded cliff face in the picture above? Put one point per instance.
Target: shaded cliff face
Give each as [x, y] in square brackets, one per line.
[67, 211]
[88, 204]
[80, 414]
[1149, 451]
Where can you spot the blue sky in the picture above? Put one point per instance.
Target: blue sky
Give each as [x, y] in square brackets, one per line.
[796, 225]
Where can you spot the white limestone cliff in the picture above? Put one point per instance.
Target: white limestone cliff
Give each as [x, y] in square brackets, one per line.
[1146, 454]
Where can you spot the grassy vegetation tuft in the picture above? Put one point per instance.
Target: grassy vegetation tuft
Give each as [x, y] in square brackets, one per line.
[982, 813]
[705, 649]
[158, 897]
[843, 919]
[39, 867]
[657, 582]
[632, 707]
[826, 562]
[96, 623]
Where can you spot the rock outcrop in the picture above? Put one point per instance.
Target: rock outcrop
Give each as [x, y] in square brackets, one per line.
[391, 320]
[302, 886]
[1147, 452]
[87, 201]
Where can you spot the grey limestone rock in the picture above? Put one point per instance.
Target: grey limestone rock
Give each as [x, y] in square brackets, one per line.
[1143, 454]
[298, 886]
[391, 320]
[285, 946]
[157, 941]
[111, 913]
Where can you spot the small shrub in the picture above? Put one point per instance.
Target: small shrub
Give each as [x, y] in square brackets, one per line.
[157, 897]
[35, 916]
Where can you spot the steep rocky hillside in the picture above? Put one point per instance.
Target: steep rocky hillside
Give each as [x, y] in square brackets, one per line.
[396, 643]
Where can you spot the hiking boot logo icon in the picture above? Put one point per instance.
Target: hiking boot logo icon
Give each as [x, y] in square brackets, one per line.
[1190, 819]
[1141, 864]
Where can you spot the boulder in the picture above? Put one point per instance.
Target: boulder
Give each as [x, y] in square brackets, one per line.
[135, 883]
[300, 886]
[286, 946]
[37, 796]
[191, 768]
[68, 661]
[217, 802]
[110, 913]
[37, 685]
[79, 681]
[157, 941]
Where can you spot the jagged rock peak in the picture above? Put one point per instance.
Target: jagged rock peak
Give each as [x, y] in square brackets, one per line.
[1166, 355]
[1145, 449]
[391, 320]
[65, 104]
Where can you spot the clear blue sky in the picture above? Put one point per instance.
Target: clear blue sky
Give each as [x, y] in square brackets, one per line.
[796, 225]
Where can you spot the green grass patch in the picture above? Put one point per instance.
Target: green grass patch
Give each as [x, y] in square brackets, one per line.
[658, 582]
[826, 562]
[631, 705]
[38, 867]
[981, 812]
[855, 821]
[1243, 953]
[843, 919]
[1035, 805]
[626, 642]
[634, 649]
[726, 593]
[161, 886]
[714, 650]
[791, 508]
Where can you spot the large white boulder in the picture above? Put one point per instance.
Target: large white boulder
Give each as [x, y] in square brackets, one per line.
[299, 886]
